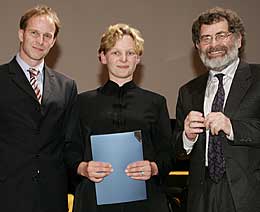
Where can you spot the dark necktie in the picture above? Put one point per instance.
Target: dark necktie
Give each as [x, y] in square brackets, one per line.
[216, 162]
[33, 80]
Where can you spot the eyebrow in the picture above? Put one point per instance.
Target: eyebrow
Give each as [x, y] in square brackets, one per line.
[33, 29]
[113, 48]
[214, 34]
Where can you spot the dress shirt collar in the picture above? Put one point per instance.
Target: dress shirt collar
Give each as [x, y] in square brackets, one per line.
[229, 72]
[25, 67]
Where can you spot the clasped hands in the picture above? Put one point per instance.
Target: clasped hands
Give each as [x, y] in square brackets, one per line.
[195, 123]
[96, 171]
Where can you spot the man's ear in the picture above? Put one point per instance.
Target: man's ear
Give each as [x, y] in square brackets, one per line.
[197, 45]
[53, 42]
[239, 39]
[20, 34]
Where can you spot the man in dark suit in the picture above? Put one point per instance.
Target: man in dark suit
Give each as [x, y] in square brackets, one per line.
[218, 119]
[38, 121]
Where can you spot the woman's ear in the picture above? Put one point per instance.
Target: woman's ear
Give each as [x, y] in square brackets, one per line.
[103, 58]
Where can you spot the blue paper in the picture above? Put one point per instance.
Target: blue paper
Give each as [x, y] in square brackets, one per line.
[119, 149]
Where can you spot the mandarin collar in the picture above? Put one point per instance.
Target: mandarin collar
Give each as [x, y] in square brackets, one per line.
[112, 88]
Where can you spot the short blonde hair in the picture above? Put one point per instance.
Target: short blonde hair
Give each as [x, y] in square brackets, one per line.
[116, 32]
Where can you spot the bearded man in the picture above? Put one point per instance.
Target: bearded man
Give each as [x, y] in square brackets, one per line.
[218, 119]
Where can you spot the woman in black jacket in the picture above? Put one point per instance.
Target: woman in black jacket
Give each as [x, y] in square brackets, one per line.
[121, 106]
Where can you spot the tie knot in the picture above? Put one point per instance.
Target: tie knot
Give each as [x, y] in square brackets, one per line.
[33, 72]
[220, 77]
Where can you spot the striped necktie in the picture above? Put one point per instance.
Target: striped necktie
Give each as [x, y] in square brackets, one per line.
[33, 80]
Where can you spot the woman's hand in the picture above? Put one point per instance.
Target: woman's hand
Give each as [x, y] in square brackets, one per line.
[141, 170]
[94, 170]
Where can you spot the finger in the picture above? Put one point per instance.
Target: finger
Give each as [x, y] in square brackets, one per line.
[139, 174]
[103, 169]
[218, 127]
[99, 164]
[195, 124]
[137, 164]
[140, 178]
[134, 170]
[214, 116]
[98, 175]
[195, 114]
[214, 129]
[209, 120]
[195, 130]
[101, 174]
[194, 118]
[207, 124]
[96, 180]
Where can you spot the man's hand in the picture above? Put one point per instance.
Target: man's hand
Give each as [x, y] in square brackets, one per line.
[217, 121]
[193, 124]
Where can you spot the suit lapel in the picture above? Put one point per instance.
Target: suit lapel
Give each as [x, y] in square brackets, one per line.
[48, 85]
[20, 79]
[241, 82]
[198, 97]
[199, 93]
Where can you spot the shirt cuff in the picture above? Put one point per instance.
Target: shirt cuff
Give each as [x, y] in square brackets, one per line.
[231, 136]
[188, 144]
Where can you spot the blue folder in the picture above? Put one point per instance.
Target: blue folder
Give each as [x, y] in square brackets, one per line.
[119, 149]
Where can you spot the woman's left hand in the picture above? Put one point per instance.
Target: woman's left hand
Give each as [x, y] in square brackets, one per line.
[141, 170]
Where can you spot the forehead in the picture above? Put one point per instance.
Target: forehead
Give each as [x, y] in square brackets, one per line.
[126, 42]
[212, 29]
[42, 23]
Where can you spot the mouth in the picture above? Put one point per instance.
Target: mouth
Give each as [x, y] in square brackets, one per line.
[123, 66]
[38, 48]
[216, 52]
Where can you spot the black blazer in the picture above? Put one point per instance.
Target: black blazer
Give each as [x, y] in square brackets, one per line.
[35, 140]
[242, 155]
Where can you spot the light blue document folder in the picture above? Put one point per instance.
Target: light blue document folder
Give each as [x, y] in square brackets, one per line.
[119, 149]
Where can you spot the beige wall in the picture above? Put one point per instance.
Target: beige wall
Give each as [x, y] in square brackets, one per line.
[169, 59]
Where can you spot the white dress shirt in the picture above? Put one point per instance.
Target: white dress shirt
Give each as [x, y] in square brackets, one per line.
[25, 67]
[211, 90]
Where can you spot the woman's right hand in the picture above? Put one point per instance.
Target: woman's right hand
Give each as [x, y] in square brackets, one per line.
[94, 170]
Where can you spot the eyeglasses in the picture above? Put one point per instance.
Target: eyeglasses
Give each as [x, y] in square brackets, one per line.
[221, 36]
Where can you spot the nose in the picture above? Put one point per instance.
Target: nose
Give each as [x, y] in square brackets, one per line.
[214, 41]
[40, 39]
[123, 57]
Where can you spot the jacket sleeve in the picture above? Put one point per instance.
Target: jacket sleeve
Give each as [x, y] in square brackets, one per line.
[73, 152]
[164, 145]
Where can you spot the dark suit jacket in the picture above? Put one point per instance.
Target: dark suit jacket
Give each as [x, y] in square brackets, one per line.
[242, 155]
[35, 140]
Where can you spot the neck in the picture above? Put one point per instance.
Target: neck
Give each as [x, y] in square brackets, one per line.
[31, 62]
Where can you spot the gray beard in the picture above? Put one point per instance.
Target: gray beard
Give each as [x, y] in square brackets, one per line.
[218, 64]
